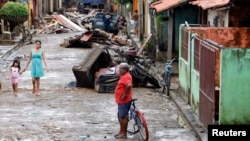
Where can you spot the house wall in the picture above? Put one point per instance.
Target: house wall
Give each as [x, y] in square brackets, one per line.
[184, 79]
[135, 5]
[184, 64]
[147, 25]
[229, 37]
[234, 92]
[218, 18]
[195, 80]
[239, 15]
[183, 13]
[195, 90]
[232, 58]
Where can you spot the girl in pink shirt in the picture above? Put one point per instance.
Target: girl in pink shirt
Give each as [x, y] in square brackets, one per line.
[14, 72]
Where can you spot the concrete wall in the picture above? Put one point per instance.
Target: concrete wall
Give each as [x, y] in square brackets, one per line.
[195, 81]
[184, 79]
[233, 58]
[234, 91]
[218, 18]
[229, 37]
[184, 69]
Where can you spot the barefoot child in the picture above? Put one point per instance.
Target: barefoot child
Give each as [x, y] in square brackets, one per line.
[14, 72]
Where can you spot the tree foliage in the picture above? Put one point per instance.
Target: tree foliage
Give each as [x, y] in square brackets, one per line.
[125, 1]
[14, 12]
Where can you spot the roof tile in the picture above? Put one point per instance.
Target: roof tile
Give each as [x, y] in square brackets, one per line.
[206, 4]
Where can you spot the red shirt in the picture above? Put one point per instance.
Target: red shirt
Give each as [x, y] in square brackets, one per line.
[121, 87]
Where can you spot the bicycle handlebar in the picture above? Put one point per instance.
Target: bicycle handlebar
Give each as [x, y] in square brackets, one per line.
[134, 99]
[169, 62]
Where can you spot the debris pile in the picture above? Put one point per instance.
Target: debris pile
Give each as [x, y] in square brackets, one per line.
[100, 70]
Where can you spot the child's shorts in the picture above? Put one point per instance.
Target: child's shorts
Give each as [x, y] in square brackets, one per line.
[14, 80]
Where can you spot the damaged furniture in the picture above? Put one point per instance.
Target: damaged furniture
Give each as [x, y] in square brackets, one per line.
[97, 71]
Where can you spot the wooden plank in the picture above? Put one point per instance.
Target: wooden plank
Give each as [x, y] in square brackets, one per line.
[144, 45]
[86, 37]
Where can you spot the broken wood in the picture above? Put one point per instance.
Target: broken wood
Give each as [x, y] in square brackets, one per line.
[144, 45]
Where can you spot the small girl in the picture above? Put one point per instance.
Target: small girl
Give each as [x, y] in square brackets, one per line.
[14, 72]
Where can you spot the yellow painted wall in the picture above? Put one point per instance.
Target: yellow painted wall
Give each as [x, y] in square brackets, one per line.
[30, 8]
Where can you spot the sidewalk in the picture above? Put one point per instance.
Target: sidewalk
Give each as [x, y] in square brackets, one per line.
[185, 109]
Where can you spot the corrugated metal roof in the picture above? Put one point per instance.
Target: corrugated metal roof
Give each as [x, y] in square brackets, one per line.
[206, 4]
[166, 4]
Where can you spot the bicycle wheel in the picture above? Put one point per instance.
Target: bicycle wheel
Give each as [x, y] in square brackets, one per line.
[164, 85]
[168, 84]
[142, 125]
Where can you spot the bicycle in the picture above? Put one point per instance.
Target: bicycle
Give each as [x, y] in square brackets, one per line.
[139, 68]
[167, 75]
[140, 124]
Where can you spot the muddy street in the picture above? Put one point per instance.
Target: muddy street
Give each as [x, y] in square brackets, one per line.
[66, 113]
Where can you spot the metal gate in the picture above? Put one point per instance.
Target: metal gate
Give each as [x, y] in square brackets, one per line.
[207, 83]
[185, 39]
[197, 42]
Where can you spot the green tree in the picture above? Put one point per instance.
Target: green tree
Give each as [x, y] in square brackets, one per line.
[125, 1]
[14, 12]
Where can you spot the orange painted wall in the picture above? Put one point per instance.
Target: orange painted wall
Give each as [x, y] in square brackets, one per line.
[228, 37]
[115, 5]
[135, 5]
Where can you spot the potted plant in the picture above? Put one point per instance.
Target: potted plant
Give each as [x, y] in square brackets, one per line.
[14, 12]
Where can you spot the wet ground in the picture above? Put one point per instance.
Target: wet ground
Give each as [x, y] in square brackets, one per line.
[64, 113]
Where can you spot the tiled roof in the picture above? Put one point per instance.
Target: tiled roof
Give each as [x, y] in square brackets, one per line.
[163, 5]
[206, 4]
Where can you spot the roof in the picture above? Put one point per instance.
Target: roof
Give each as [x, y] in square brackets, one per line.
[206, 4]
[163, 5]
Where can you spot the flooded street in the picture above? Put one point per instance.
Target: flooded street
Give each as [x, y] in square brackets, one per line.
[67, 113]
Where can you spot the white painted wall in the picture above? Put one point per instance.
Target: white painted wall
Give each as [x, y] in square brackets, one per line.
[222, 18]
[148, 17]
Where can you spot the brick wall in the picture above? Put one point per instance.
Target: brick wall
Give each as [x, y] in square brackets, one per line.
[239, 16]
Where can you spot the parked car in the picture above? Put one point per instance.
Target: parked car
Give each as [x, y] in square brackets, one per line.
[97, 22]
